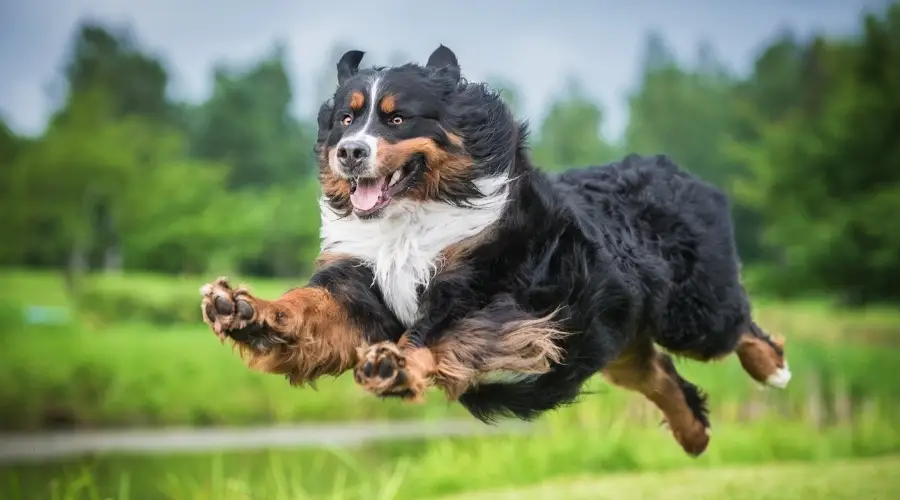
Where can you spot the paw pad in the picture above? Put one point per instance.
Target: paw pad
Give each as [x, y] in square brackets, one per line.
[382, 370]
[226, 310]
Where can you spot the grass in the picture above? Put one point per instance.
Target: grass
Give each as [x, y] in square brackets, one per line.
[807, 318]
[91, 372]
[45, 288]
[130, 375]
[841, 480]
[137, 373]
[559, 449]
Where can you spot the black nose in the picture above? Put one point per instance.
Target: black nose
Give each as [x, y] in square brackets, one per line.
[352, 154]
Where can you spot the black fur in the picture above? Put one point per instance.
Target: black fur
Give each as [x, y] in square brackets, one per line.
[348, 65]
[350, 284]
[637, 247]
[628, 248]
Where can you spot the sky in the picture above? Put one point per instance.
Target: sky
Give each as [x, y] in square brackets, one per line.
[535, 44]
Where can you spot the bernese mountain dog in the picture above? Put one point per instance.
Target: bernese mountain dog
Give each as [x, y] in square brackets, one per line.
[448, 260]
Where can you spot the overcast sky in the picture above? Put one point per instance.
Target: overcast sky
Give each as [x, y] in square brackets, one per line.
[535, 44]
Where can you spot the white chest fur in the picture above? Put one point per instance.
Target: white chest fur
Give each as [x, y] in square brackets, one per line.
[405, 244]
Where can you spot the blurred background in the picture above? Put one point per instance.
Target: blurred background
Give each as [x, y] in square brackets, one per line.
[147, 147]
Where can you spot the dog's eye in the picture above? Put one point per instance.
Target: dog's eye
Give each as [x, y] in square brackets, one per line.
[346, 120]
[396, 120]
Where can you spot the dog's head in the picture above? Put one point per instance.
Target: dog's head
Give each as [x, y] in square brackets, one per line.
[409, 134]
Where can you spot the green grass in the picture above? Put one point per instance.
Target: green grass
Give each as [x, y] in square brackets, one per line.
[130, 375]
[139, 375]
[815, 318]
[560, 448]
[842, 480]
[93, 372]
[45, 288]
[127, 373]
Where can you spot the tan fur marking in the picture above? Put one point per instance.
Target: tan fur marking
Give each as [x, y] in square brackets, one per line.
[443, 166]
[334, 186]
[388, 104]
[526, 346]
[314, 334]
[412, 370]
[758, 358]
[357, 101]
[640, 368]
[328, 258]
[455, 255]
[467, 351]
[455, 139]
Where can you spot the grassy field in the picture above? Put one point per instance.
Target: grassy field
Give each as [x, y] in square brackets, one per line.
[842, 480]
[119, 358]
[140, 375]
[126, 373]
[560, 448]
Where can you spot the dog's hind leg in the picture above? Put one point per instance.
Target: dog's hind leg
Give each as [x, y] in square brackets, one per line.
[643, 369]
[763, 357]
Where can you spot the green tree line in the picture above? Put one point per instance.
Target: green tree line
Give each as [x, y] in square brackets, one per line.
[124, 177]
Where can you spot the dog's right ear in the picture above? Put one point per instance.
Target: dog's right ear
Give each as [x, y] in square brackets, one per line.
[348, 65]
[444, 58]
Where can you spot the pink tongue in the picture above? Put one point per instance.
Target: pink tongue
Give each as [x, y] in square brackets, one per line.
[367, 193]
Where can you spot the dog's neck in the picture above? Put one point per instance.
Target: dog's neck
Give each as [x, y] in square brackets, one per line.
[404, 246]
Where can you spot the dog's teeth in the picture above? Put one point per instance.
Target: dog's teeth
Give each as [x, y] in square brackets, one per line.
[395, 178]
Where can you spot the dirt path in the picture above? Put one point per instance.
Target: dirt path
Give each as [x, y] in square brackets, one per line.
[47, 446]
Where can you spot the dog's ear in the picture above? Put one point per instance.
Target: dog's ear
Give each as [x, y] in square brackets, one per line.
[443, 57]
[348, 65]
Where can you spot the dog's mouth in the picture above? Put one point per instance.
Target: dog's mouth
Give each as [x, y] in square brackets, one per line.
[369, 195]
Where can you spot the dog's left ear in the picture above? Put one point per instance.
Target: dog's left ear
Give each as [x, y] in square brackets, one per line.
[443, 57]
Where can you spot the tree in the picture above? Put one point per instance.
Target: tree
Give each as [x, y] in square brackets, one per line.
[10, 149]
[104, 67]
[92, 177]
[247, 123]
[683, 113]
[692, 114]
[570, 134]
[657, 54]
[111, 60]
[825, 174]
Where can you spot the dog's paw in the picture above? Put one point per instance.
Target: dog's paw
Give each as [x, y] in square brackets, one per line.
[693, 438]
[383, 370]
[228, 312]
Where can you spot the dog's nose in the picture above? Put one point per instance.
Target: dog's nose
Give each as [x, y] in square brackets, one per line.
[352, 154]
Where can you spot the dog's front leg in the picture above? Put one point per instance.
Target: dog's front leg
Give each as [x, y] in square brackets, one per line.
[308, 332]
[500, 341]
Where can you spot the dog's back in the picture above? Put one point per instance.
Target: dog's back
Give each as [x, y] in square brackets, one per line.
[668, 224]
[649, 207]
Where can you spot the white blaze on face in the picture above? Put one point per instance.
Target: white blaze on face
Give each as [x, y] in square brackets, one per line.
[362, 134]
